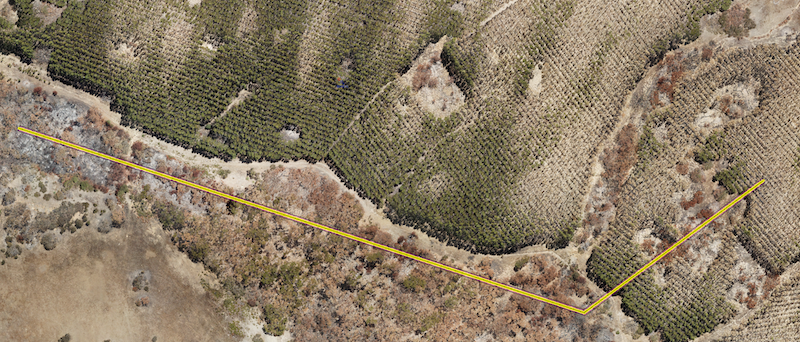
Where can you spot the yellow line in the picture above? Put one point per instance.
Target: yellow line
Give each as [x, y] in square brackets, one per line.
[387, 248]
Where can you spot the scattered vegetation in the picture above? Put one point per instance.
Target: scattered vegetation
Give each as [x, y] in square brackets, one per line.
[736, 21]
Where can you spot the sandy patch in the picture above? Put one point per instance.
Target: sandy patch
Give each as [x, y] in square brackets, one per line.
[83, 287]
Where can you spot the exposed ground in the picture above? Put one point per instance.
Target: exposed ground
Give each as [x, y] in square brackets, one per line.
[83, 288]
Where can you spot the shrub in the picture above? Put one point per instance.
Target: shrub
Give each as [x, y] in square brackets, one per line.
[274, 319]
[37, 91]
[736, 21]
[422, 76]
[414, 283]
[137, 146]
[374, 259]
[49, 241]
[170, 216]
[198, 251]
[121, 191]
[65, 338]
[350, 282]
[707, 53]
[223, 173]
[520, 263]
[9, 197]
[5, 24]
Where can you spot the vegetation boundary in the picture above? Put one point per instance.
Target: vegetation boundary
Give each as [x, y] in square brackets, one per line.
[390, 249]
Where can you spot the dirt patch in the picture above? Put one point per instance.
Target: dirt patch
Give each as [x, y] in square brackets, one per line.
[432, 86]
[89, 274]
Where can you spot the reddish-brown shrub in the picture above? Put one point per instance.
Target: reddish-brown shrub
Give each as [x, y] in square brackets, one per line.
[137, 146]
[37, 91]
[647, 246]
[421, 76]
[617, 162]
[682, 168]
[769, 285]
[707, 53]
[55, 93]
[94, 119]
[698, 198]
[383, 238]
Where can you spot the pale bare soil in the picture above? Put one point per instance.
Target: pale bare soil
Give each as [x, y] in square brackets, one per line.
[83, 288]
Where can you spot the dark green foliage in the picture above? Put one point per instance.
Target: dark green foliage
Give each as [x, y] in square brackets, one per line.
[269, 275]
[122, 191]
[520, 263]
[461, 62]
[198, 251]
[712, 149]
[58, 217]
[76, 180]
[430, 321]
[414, 283]
[170, 216]
[650, 304]
[26, 15]
[274, 320]
[351, 283]
[374, 259]
[688, 32]
[234, 287]
[57, 3]
[444, 21]
[234, 207]
[732, 178]
[648, 147]
[5, 24]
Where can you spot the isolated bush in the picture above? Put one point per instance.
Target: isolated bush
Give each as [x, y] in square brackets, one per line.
[13, 251]
[137, 147]
[707, 53]
[37, 91]
[198, 251]
[422, 76]
[736, 21]
[49, 241]
[9, 197]
[520, 263]
[65, 338]
[140, 282]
